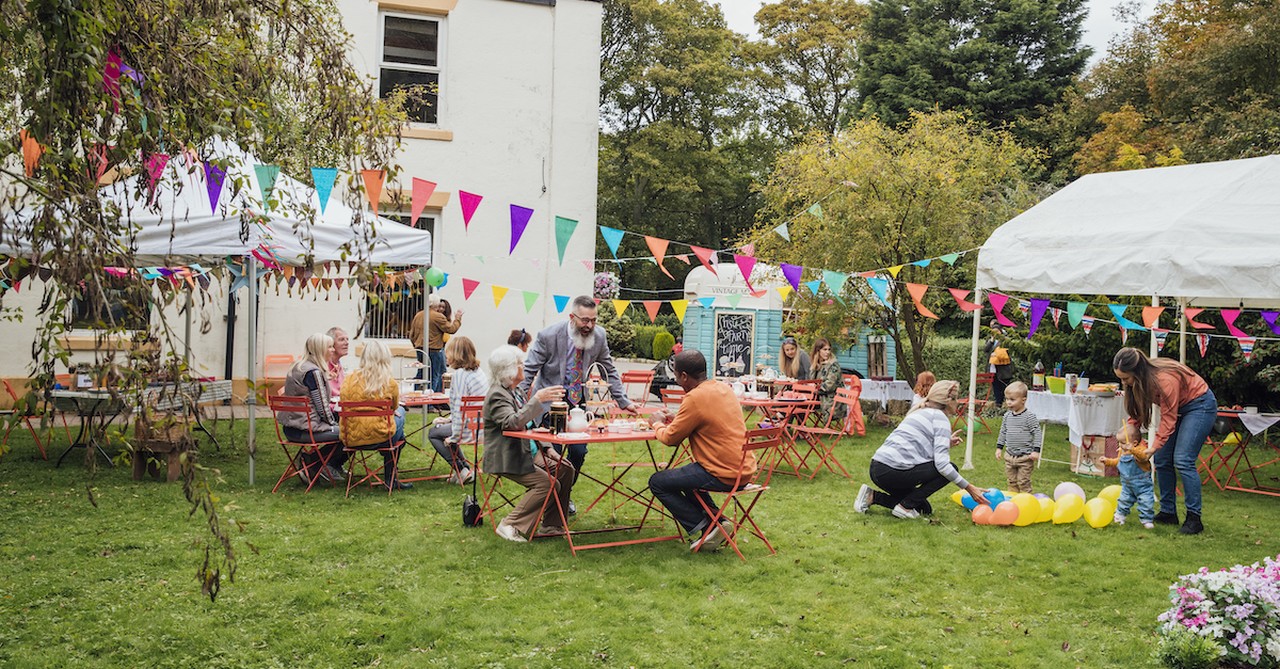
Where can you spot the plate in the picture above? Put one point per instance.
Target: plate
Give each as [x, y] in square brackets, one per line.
[542, 430]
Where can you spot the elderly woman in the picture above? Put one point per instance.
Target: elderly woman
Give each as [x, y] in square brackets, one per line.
[308, 378]
[373, 381]
[792, 361]
[1187, 412]
[518, 459]
[915, 460]
[468, 381]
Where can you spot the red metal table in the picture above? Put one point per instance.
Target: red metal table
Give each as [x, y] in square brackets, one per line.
[1229, 464]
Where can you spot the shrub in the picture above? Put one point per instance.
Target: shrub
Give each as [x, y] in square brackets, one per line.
[643, 341]
[671, 323]
[663, 342]
[1183, 649]
[1237, 609]
[619, 330]
[948, 358]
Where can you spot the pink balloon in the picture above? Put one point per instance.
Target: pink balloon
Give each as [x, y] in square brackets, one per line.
[982, 514]
[1004, 514]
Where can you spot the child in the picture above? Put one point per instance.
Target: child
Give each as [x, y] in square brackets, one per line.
[1134, 464]
[1019, 441]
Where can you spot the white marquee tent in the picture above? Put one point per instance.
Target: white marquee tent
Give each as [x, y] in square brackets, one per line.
[1204, 234]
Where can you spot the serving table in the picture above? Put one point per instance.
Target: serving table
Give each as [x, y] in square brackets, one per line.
[1089, 417]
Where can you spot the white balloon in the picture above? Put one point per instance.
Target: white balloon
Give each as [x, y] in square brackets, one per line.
[1068, 488]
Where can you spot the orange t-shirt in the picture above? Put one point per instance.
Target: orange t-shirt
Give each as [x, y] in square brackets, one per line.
[710, 417]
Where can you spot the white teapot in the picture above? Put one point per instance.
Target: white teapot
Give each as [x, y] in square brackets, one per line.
[769, 374]
[579, 420]
[739, 389]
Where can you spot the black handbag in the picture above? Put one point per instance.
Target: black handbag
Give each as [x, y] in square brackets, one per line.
[471, 508]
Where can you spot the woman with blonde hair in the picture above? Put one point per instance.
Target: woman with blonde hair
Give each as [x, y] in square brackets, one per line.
[793, 362]
[308, 378]
[924, 381]
[372, 380]
[468, 381]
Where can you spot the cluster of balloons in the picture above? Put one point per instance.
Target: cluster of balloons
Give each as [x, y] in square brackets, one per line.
[1066, 506]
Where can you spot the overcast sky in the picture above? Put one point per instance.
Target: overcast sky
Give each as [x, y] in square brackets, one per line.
[1098, 27]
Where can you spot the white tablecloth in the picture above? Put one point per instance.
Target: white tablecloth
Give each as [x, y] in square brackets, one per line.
[1258, 422]
[1082, 414]
[883, 391]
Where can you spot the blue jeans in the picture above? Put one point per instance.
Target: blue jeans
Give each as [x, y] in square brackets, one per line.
[1179, 455]
[679, 489]
[1137, 487]
[436, 356]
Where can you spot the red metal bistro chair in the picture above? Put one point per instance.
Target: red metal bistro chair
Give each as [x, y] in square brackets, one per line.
[637, 384]
[295, 450]
[359, 455]
[985, 381]
[852, 382]
[822, 439]
[741, 500]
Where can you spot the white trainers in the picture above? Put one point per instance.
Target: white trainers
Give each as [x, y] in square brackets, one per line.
[712, 538]
[466, 476]
[510, 533]
[863, 501]
[901, 511]
[1118, 519]
[1149, 525]
[453, 479]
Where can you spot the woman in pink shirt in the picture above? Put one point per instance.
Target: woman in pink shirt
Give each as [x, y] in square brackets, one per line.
[1187, 412]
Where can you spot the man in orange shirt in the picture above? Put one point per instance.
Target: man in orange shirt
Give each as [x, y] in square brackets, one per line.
[710, 417]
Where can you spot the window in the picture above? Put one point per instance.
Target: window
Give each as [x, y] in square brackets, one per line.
[411, 60]
[123, 303]
[392, 314]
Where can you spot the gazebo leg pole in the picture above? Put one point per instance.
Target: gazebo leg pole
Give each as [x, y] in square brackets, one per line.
[973, 379]
[251, 398]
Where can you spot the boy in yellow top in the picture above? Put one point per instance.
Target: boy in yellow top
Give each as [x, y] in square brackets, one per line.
[710, 417]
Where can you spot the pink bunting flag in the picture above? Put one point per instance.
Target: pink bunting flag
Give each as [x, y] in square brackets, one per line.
[111, 78]
[469, 202]
[1203, 341]
[997, 305]
[917, 291]
[99, 158]
[468, 287]
[1229, 316]
[1087, 323]
[658, 247]
[960, 295]
[1037, 308]
[519, 221]
[1246, 346]
[422, 192]
[651, 307]
[704, 257]
[1151, 316]
[1270, 318]
[373, 187]
[156, 163]
[1191, 313]
[682, 257]
[590, 265]
[745, 265]
[749, 250]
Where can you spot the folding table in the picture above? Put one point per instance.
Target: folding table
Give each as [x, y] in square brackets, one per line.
[1229, 465]
[96, 409]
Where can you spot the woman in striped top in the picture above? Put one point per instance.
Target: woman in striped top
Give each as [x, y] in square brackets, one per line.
[467, 381]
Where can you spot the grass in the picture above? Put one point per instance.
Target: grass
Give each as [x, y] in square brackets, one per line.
[398, 582]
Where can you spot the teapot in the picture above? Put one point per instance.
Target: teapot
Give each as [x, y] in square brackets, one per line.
[579, 420]
[769, 374]
[739, 389]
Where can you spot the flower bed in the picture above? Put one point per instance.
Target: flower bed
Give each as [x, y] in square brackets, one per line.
[1238, 609]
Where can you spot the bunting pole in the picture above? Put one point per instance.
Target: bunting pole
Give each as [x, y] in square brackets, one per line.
[251, 398]
[1182, 330]
[1151, 429]
[973, 378]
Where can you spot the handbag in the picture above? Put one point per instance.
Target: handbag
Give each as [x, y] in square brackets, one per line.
[471, 508]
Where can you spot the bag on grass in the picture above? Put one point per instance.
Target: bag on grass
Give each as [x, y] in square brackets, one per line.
[471, 508]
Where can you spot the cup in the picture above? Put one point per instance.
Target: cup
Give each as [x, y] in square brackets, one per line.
[558, 415]
[1251, 409]
[1082, 383]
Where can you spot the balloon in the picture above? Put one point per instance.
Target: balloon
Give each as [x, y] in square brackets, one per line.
[1098, 512]
[982, 515]
[1005, 513]
[958, 497]
[1028, 509]
[1041, 495]
[1069, 509]
[994, 497]
[1068, 489]
[1231, 439]
[967, 501]
[435, 277]
[1111, 492]
[1047, 507]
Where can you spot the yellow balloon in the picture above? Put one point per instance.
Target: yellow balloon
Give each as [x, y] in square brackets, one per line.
[955, 497]
[1069, 509]
[1098, 513]
[1111, 492]
[1047, 507]
[1028, 509]
[1232, 439]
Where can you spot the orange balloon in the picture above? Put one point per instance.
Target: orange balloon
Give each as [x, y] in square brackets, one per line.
[1005, 514]
[982, 514]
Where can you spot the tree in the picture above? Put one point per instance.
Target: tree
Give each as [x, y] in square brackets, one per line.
[103, 87]
[940, 183]
[1124, 143]
[1002, 60]
[805, 63]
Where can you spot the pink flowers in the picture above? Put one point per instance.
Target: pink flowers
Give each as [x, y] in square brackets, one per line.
[1238, 608]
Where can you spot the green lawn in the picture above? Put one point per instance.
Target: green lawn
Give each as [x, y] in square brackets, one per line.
[398, 582]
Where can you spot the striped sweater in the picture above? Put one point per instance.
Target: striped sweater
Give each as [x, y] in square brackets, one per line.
[923, 436]
[1019, 434]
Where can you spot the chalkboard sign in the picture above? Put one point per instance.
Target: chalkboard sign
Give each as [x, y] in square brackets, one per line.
[735, 337]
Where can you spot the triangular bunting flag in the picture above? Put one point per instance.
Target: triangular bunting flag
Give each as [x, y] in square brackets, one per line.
[748, 249]
[950, 258]
[530, 298]
[1118, 310]
[1151, 316]
[564, 232]
[620, 306]
[998, 301]
[734, 299]
[922, 263]
[651, 307]
[1075, 313]
[1087, 323]
[792, 273]
[813, 286]
[519, 220]
[418, 199]
[705, 256]
[783, 232]
[658, 247]
[706, 302]
[267, 175]
[1203, 341]
[590, 265]
[612, 237]
[1229, 317]
[1191, 313]
[1246, 346]
[1270, 318]
[561, 301]
[31, 150]
[961, 295]
[682, 257]
[745, 265]
[1057, 314]
[834, 280]
[917, 291]
[880, 286]
[1161, 337]
[213, 178]
[679, 307]
[469, 202]
[815, 210]
[323, 178]
[1124, 335]
[1024, 306]
[499, 292]
[468, 287]
[893, 271]
[1037, 309]
[156, 163]
[784, 292]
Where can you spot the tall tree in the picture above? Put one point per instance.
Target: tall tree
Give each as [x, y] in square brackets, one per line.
[805, 64]
[1002, 60]
[889, 196]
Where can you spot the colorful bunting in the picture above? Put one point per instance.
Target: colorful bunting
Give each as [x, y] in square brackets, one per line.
[1246, 346]
[651, 307]
[679, 307]
[422, 191]
[658, 247]
[1124, 335]
[267, 175]
[917, 291]
[784, 292]
[734, 299]
[1037, 309]
[530, 298]
[835, 281]
[1151, 316]
[1270, 318]
[469, 203]
[31, 151]
[499, 292]
[961, 295]
[997, 302]
[705, 256]
[468, 287]
[813, 286]
[894, 270]
[564, 231]
[1075, 313]
[1087, 323]
[1229, 317]
[792, 273]
[682, 257]
[745, 265]
[1024, 306]
[324, 178]
[1057, 314]
[922, 263]
[561, 302]
[815, 210]
[949, 258]
[1118, 310]
[1191, 313]
[1203, 341]
[620, 306]
[748, 249]
[213, 178]
[706, 302]
[612, 237]
[519, 221]
[880, 286]
[783, 232]
[1161, 337]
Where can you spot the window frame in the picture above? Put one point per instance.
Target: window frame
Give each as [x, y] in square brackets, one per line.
[78, 328]
[438, 69]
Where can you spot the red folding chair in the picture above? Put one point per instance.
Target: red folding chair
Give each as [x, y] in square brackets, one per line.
[852, 382]
[985, 381]
[672, 397]
[808, 388]
[741, 500]
[295, 450]
[822, 439]
[359, 455]
[25, 408]
[791, 415]
[641, 379]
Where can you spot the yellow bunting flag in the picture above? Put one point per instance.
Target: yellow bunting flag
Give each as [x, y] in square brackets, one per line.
[499, 292]
[679, 306]
[894, 271]
[784, 291]
[917, 290]
[620, 306]
[651, 307]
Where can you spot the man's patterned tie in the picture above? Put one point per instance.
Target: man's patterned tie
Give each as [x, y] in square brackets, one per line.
[573, 378]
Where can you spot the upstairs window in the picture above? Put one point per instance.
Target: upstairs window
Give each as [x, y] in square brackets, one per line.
[411, 59]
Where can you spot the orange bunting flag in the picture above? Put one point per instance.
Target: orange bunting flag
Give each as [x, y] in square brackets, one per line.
[651, 307]
[499, 292]
[683, 257]
[620, 305]
[31, 151]
[1151, 316]
[422, 191]
[658, 247]
[960, 294]
[373, 187]
[917, 290]
[679, 306]
[704, 256]
[1191, 319]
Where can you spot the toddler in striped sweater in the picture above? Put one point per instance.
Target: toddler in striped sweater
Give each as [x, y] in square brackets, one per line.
[1019, 441]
